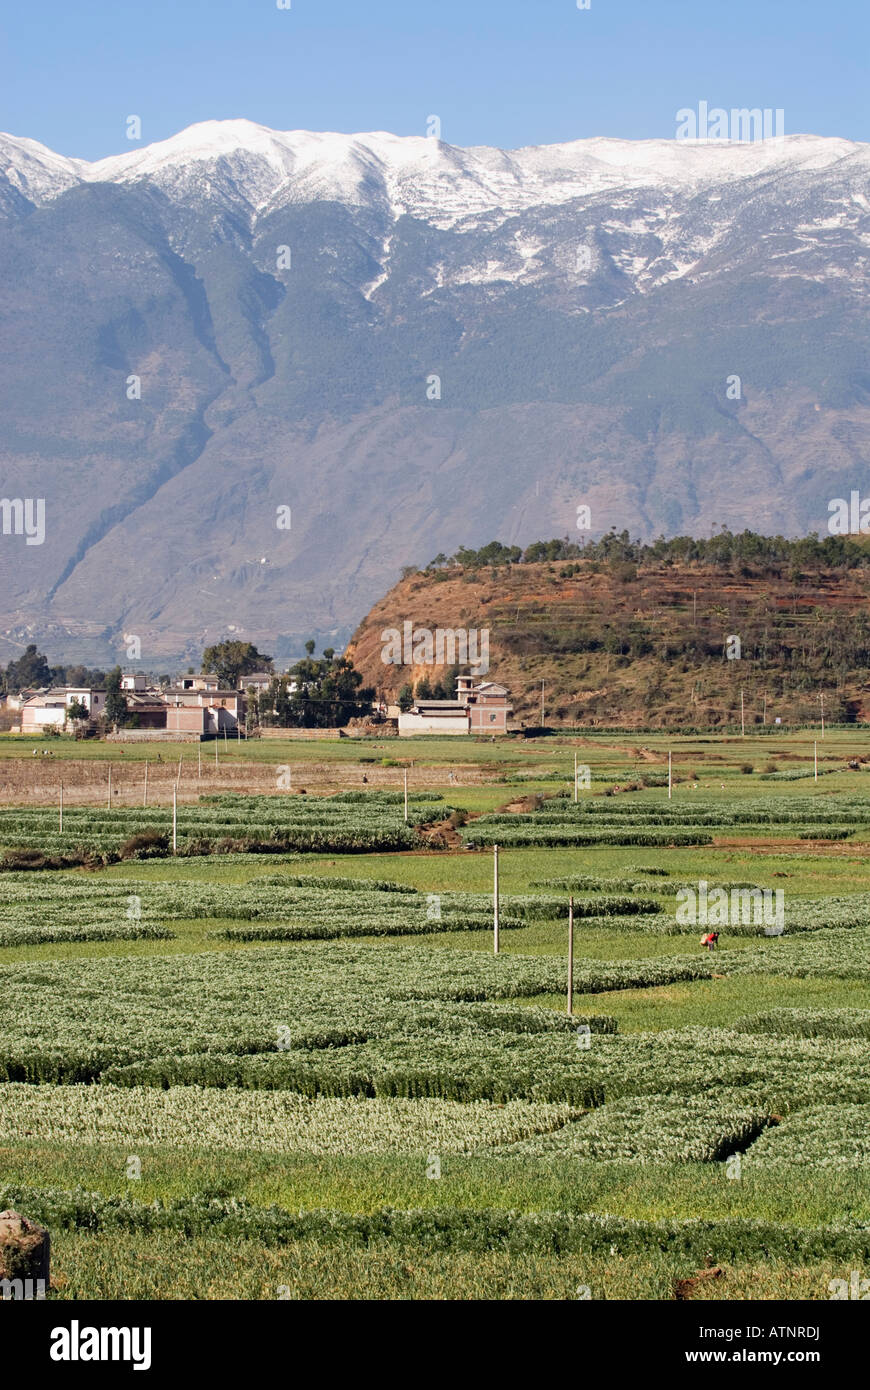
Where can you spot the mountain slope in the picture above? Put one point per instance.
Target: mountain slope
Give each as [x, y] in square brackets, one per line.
[285, 300]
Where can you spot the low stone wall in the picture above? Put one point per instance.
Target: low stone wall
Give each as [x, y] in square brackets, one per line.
[303, 734]
[153, 736]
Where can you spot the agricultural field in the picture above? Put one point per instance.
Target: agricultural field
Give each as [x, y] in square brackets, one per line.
[279, 1057]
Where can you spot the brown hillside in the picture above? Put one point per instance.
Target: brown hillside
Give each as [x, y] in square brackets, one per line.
[644, 646]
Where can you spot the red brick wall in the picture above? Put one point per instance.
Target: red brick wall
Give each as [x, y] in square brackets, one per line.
[489, 718]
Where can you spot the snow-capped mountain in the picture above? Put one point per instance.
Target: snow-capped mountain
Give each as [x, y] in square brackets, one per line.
[414, 346]
[248, 166]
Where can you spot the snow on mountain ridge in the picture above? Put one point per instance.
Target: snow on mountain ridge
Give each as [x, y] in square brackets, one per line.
[37, 171]
[239, 161]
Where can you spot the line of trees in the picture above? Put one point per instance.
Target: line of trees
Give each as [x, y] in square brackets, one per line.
[425, 689]
[317, 693]
[727, 549]
[31, 671]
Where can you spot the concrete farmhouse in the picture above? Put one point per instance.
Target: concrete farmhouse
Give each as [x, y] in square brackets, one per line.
[196, 706]
[48, 709]
[477, 709]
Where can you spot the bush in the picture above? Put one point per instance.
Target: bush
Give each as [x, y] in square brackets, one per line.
[33, 859]
[148, 844]
[746, 768]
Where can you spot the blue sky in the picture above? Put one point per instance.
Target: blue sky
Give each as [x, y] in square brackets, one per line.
[501, 72]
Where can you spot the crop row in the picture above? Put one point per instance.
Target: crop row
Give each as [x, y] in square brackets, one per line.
[841, 954]
[265, 1121]
[822, 1136]
[844, 806]
[472, 1066]
[745, 919]
[807, 1023]
[595, 883]
[656, 1129]
[383, 885]
[842, 809]
[452, 1228]
[513, 832]
[113, 930]
[796, 774]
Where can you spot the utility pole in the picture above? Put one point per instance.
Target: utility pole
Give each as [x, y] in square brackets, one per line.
[109, 793]
[60, 826]
[406, 796]
[495, 899]
[742, 719]
[570, 955]
[694, 608]
[199, 760]
[764, 709]
[670, 778]
[145, 792]
[174, 819]
[575, 776]
[815, 762]
[542, 704]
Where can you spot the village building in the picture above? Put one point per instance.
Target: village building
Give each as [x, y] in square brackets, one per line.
[258, 681]
[477, 709]
[49, 709]
[17, 701]
[202, 682]
[202, 710]
[145, 703]
[196, 706]
[488, 705]
[147, 708]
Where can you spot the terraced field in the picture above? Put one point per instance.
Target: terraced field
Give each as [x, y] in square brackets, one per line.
[242, 1065]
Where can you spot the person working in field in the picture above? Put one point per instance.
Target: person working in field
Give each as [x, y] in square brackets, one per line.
[710, 940]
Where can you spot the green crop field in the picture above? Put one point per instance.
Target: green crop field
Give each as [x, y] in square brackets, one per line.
[280, 1059]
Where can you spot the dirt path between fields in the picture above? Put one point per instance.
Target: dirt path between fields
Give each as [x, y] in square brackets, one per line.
[855, 849]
